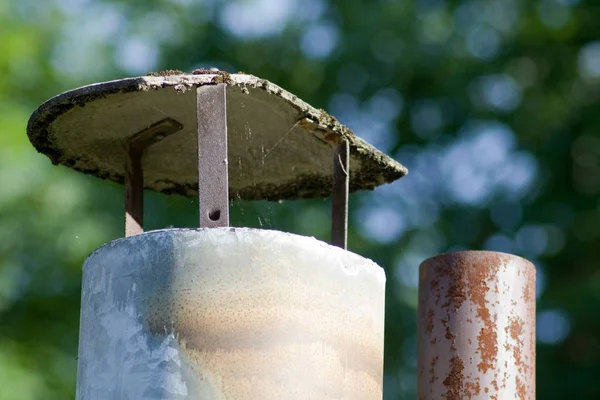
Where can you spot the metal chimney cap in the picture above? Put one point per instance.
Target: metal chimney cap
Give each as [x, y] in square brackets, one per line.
[279, 146]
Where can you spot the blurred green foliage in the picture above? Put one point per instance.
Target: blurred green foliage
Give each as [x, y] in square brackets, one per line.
[492, 105]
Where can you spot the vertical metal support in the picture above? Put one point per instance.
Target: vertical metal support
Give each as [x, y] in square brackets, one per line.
[134, 174]
[134, 192]
[476, 327]
[339, 201]
[213, 180]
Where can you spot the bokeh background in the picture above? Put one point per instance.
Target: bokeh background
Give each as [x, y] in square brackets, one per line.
[493, 105]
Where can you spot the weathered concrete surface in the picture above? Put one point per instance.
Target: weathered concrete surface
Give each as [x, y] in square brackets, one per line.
[279, 147]
[476, 327]
[230, 313]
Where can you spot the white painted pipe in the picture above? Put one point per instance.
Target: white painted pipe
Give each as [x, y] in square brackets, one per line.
[229, 313]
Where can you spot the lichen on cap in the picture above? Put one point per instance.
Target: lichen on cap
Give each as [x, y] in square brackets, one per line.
[279, 147]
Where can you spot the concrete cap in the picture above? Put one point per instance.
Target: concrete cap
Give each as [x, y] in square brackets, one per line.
[279, 146]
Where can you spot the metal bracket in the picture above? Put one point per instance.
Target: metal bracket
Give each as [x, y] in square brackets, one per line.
[213, 180]
[134, 174]
[339, 201]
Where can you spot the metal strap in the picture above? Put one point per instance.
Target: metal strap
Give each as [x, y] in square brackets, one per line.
[339, 203]
[134, 173]
[213, 182]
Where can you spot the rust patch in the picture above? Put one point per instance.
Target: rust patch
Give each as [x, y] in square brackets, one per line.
[434, 361]
[495, 385]
[521, 390]
[488, 348]
[479, 274]
[472, 388]
[449, 335]
[516, 331]
[429, 323]
[468, 279]
[454, 380]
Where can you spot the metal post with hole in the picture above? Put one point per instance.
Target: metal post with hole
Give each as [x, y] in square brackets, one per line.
[219, 312]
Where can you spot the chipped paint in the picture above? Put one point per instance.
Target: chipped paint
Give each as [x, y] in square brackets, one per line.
[230, 313]
[476, 327]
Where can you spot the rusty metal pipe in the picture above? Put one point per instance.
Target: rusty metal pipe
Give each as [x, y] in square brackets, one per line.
[476, 327]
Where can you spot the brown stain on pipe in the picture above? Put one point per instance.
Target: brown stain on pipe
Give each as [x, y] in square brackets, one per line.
[455, 379]
[273, 330]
